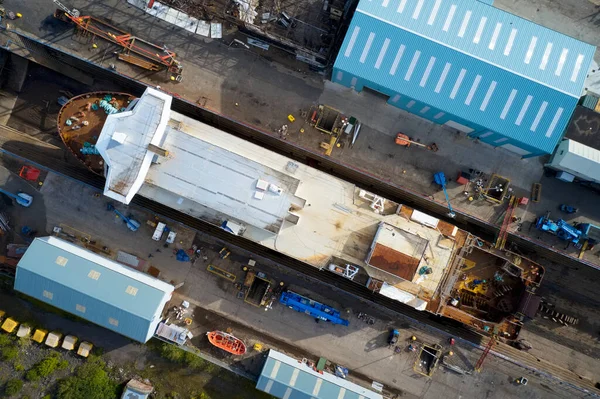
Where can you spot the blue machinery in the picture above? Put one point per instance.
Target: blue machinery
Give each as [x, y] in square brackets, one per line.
[312, 308]
[560, 228]
[440, 179]
[21, 198]
[583, 235]
[132, 224]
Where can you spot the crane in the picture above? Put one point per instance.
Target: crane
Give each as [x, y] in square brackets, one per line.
[21, 198]
[74, 12]
[132, 224]
[440, 179]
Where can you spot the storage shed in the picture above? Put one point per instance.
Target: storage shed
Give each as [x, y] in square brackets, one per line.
[285, 377]
[577, 159]
[467, 65]
[92, 287]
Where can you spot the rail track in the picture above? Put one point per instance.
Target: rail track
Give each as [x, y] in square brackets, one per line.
[14, 143]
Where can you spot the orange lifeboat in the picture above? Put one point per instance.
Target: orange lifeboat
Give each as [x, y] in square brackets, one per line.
[227, 342]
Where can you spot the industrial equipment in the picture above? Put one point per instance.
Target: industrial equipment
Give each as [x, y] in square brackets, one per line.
[132, 224]
[440, 179]
[486, 351]
[590, 232]
[328, 120]
[257, 288]
[498, 188]
[224, 253]
[405, 141]
[158, 232]
[393, 337]
[134, 50]
[567, 208]
[560, 228]
[428, 359]
[513, 202]
[312, 308]
[349, 271]
[21, 198]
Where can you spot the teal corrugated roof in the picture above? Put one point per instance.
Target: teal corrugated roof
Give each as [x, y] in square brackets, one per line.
[92, 287]
[285, 377]
[493, 36]
[459, 57]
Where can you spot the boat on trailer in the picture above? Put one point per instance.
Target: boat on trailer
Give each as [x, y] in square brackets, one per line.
[227, 342]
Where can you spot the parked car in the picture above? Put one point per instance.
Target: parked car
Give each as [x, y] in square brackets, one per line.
[393, 338]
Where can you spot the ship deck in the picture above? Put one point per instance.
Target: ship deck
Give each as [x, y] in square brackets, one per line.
[334, 221]
[86, 135]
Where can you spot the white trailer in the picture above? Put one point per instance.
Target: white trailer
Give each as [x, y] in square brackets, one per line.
[576, 159]
[158, 232]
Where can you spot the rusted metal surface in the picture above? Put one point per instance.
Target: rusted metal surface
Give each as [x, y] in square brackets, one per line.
[87, 135]
[394, 262]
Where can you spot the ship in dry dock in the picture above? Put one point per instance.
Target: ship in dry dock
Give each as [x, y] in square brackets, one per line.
[402, 253]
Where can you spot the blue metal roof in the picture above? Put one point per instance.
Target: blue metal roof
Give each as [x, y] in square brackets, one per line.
[92, 287]
[469, 58]
[285, 377]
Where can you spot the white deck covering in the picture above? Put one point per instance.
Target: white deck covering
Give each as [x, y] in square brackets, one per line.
[219, 179]
[124, 141]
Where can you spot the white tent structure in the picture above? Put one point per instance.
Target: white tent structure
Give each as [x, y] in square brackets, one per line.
[577, 159]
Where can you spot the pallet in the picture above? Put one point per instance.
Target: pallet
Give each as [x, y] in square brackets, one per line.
[221, 273]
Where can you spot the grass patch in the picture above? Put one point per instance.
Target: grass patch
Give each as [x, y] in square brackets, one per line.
[177, 355]
[46, 367]
[9, 353]
[13, 387]
[5, 340]
[91, 381]
[182, 375]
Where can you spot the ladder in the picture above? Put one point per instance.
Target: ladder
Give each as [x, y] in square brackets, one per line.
[513, 202]
[479, 364]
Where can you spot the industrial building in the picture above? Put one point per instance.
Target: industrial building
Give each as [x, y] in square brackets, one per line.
[92, 287]
[573, 160]
[285, 377]
[467, 65]
[577, 157]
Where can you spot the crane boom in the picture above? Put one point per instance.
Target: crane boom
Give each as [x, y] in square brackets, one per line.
[74, 12]
[440, 179]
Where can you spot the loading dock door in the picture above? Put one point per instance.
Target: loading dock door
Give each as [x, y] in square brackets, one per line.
[515, 149]
[458, 126]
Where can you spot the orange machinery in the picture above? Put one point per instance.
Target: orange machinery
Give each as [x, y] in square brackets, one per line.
[135, 50]
[405, 141]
